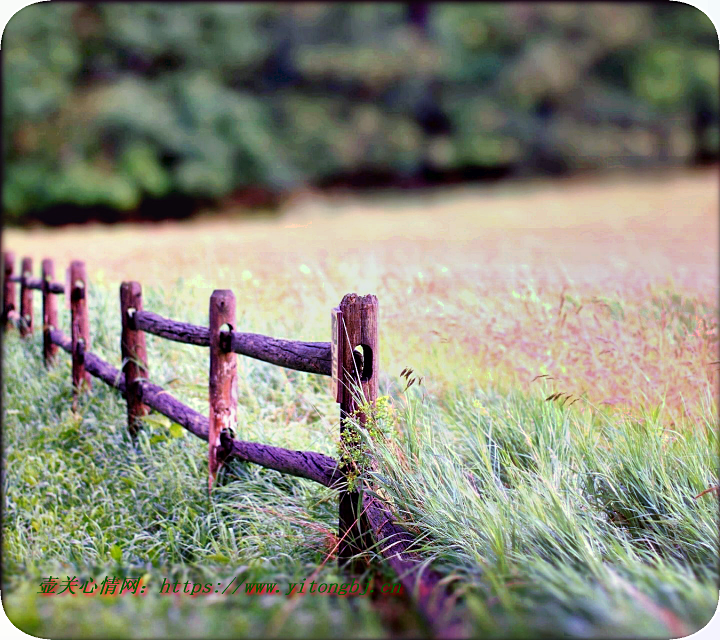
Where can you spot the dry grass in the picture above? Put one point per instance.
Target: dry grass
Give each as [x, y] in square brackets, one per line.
[609, 286]
[550, 521]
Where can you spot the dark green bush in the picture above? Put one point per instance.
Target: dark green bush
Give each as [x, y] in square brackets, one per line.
[109, 104]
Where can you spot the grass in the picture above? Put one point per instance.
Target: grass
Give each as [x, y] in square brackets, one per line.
[573, 515]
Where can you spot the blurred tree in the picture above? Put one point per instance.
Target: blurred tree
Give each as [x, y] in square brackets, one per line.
[115, 105]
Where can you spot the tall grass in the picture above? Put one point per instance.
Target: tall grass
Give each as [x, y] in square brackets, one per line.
[562, 419]
[558, 520]
[82, 501]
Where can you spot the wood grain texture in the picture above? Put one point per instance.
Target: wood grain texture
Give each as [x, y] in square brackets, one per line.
[394, 543]
[302, 464]
[61, 340]
[94, 365]
[38, 284]
[222, 381]
[435, 600]
[49, 306]
[26, 299]
[336, 345]
[359, 385]
[134, 354]
[79, 325]
[171, 329]
[311, 357]
[8, 288]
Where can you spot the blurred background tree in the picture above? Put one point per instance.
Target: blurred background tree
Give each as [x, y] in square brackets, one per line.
[134, 110]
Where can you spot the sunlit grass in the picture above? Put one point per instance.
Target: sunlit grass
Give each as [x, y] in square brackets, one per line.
[608, 286]
[554, 521]
[572, 515]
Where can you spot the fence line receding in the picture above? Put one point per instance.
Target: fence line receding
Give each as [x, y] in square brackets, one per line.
[350, 358]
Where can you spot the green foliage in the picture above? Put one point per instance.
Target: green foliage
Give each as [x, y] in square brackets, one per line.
[557, 520]
[109, 104]
[81, 500]
[552, 519]
[367, 423]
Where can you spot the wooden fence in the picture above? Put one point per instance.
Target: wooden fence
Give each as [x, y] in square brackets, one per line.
[350, 358]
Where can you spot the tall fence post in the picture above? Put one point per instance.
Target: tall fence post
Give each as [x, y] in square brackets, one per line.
[80, 327]
[26, 298]
[8, 287]
[223, 379]
[356, 346]
[134, 354]
[49, 309]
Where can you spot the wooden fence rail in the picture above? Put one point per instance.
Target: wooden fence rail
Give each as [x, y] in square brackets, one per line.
[302, 464]
[37, 283]
[350, 359]
[310, 357]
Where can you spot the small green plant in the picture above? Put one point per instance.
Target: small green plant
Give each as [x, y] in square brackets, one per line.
[375, 420]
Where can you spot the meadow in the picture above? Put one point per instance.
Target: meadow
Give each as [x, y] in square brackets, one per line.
[569, 514]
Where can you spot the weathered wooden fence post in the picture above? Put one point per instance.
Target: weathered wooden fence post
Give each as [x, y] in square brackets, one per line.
[134, 354]
[26, 298]
[49, 307]
[80, 327]
[223, 379]
[355, 363]
[8, 287]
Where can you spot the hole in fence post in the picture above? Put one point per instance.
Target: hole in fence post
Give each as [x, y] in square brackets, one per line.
[225, 337]
[134, 355]
[222, 385]
[363, 361]
[129, 315]
[8, 288]
[80, 328]
[358, 334]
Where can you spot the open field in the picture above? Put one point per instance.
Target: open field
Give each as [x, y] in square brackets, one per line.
[572, 517]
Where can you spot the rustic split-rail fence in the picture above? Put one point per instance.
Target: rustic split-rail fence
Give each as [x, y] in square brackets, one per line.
[350, 358]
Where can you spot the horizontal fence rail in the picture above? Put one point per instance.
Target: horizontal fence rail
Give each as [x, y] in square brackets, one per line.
[350, 359]
[310, 357]
[37, 284]
[302, 464]
[170, 329]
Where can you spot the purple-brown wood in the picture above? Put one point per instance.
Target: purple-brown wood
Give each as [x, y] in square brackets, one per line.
[311, 357]
[134, 354]
[358, 382]
[49, 306]
[394, 543]
[302, 464]
[172, 329]
[400, 548]
[80, 327]
[223, 380]
[8, 288]
[37, 283]
[26, 301]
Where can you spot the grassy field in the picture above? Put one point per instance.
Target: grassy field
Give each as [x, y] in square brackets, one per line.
[575, 516]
